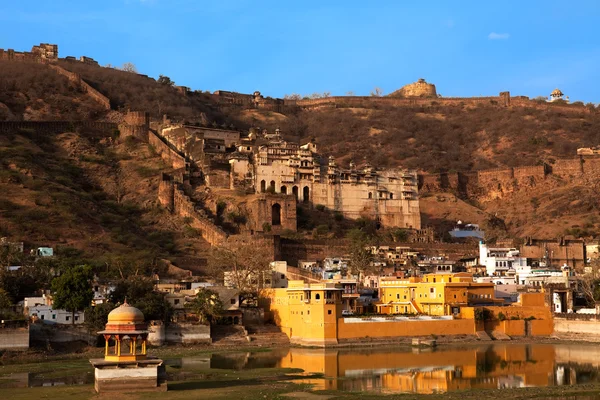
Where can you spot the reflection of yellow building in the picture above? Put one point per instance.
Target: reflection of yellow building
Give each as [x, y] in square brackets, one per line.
[433, 294]
[427, 372]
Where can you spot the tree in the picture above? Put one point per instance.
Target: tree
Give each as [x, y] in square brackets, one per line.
[293, 96]
[139, 292]
[97, 316]
[244, 262]
[377, 92]
[360, 256]
[350, 93]
[206, 305]
[128, 67]
[589, 283]
[72, 290]
[165, 80]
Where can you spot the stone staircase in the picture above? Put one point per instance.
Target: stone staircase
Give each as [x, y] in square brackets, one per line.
[228, 335]
[482, 335]
[267, 335]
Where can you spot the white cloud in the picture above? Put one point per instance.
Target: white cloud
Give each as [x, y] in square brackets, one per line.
[498, 36]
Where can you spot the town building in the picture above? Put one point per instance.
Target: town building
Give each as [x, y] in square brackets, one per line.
[433, 294]
[41, 309]
[500, 260]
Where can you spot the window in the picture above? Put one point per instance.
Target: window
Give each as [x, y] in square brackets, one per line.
[454, 296]
[42, 316]
[431, 290]
[397, 296]
[404, 297]
[176, 301]
[308, 312]
[370, 195]
[391, 196]
[53, 316]
[329, 312]
[67, 318]
[76, 318]
[317, 296]
[232, 301]
[282, 276]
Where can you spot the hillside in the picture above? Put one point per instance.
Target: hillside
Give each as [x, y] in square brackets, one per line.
[447, 138]
[30, 91]
[82, 191]
[464, 137]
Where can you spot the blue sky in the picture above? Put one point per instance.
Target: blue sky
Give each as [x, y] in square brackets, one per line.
[467, 48]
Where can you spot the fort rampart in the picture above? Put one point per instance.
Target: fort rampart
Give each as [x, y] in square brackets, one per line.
[506, 179]
[50, 127]
[167, 153]
[77, 81]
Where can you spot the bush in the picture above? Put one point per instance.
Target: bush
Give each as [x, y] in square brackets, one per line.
[266, 227]
[320, 207]
[501, 316]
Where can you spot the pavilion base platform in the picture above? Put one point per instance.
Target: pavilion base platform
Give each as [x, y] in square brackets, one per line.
[147, 375]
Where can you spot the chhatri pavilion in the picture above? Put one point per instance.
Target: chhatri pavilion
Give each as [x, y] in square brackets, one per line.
[125, 365]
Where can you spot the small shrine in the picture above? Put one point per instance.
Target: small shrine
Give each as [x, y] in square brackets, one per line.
[556, 95]
[125, 365]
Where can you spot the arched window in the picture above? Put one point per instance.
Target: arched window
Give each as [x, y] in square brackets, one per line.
[276, 214]
[284, 189]
[295, 192]
[306, 194]
[317, 296]
[263, 186]
[391, 196]
[370, 195]
[272, 185]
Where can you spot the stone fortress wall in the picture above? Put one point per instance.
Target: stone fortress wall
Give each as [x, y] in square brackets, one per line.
[506, 179]
[50, 127]
[48, 54]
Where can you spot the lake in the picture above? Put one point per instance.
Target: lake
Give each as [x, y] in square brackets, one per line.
[381, 370]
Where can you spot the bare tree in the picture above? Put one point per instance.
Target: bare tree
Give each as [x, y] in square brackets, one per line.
[245, 264]
[128, 67]
[589, 282]
[350, 93]
[293, 96]
[377, 92]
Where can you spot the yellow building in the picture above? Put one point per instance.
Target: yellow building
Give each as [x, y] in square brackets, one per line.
[307, 313]
[433, 294]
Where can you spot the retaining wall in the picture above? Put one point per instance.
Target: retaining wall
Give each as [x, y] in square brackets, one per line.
[16, 338]
[391, 329]
[187, 333]
[578, 326]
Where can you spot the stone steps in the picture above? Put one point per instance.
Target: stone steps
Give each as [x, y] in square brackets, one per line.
[482, 335]
[497, 335]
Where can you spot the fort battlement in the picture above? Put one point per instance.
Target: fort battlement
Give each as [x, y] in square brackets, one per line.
[501, 180]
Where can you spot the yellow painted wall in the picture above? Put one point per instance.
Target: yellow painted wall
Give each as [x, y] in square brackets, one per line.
[541, 327]
[404, 328]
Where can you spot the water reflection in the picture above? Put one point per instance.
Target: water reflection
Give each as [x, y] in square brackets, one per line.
[433, 371]
[384, 370]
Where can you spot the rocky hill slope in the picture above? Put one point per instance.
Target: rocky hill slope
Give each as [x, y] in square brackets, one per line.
[84, 191]
[430, 139]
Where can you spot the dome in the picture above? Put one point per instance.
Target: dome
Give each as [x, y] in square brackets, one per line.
[125, 314]
[556, 92]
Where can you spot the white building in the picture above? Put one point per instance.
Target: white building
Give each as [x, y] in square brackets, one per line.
[41, 308]
[499, 261]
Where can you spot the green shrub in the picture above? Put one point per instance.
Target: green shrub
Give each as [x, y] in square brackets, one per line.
[320, 207]
[501, 316]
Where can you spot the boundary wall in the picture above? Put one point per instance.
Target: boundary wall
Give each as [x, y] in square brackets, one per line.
[506, 179]
[167, 153]
[54, 126]
[393, 329]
